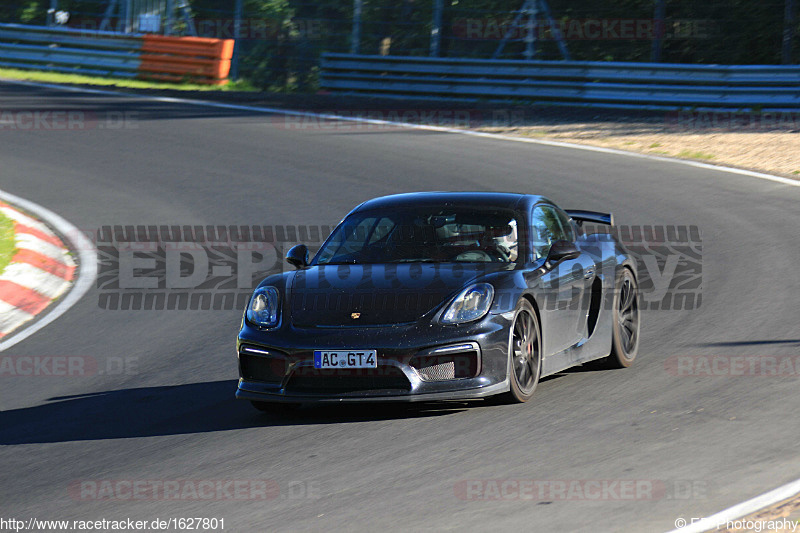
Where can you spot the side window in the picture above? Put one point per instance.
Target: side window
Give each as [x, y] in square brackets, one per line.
[566, 226]
[545, 230]
[349, 239]
[381, 230]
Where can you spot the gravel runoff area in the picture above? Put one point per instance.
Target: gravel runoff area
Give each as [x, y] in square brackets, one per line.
[765, 142]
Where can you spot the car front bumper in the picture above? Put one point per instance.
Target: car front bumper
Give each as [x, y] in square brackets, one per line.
[469, 362]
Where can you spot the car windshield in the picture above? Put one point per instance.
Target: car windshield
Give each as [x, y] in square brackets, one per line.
[433, 234]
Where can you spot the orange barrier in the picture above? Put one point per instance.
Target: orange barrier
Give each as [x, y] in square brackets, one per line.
[179, 59]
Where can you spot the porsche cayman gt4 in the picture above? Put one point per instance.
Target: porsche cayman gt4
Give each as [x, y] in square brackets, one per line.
[439, 296]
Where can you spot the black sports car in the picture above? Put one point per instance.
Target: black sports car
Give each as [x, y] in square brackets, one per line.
[434, 296]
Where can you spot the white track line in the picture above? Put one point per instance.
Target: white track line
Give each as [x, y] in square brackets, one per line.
[718, 520]
[86, 273]
[326, 116]
[737, 511]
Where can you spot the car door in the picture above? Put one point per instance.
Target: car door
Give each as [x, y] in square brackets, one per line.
[562, 284]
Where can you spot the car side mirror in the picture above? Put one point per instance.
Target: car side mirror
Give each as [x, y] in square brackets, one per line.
[561, 250]
[297, 256]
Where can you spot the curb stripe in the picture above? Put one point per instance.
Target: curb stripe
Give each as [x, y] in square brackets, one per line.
[48, 264]
[39, 234]
[22, 298]
[85, 276]
[36, 279]
[21, 218]
[11, 317]
[29, 242]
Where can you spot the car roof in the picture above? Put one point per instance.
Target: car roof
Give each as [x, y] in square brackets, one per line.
[465, 199]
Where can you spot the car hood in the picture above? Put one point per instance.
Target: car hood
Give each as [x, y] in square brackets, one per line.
[371, 295]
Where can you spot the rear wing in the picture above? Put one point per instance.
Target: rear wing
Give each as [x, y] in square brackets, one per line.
[580, 216]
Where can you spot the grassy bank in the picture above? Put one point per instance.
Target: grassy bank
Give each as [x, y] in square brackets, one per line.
[80, 79]
[6, 241]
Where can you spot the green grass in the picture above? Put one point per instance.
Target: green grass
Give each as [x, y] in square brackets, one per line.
[655, 145]
[695, 155]
[7, 249]
[80, 79]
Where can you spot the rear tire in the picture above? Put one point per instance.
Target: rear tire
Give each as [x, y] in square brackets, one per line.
[626, 321]
[524, 353]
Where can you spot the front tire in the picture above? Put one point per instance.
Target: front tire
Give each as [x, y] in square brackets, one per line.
[626, 321]
[525, 354]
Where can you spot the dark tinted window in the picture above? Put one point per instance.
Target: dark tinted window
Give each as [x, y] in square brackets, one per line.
[433, 234]
[545, 230]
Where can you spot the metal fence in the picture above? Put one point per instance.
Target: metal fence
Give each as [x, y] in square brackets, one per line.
[614, 83]
[279, 43]
[103, 53]
[65, 50]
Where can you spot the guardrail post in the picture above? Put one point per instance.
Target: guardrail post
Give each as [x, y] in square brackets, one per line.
[170, 21]
[658, 40]
[237, 36]
[355, 38]
[436, 29]
[51, 13]
[128, 18]
[788, 32]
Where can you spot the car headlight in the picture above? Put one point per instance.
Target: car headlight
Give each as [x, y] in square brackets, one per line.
[263, 307]
[471, 304]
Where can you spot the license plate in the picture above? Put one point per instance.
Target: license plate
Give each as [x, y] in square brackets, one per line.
[345, 359]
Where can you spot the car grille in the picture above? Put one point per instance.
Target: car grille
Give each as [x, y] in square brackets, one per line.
[269, 369]
[384, 380]
[445, 366]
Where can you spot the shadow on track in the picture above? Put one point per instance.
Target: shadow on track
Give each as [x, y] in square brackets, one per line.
[751, 343]
[175, 410]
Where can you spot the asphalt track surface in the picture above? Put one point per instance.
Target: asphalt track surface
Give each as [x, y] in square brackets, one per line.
[388, 467]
